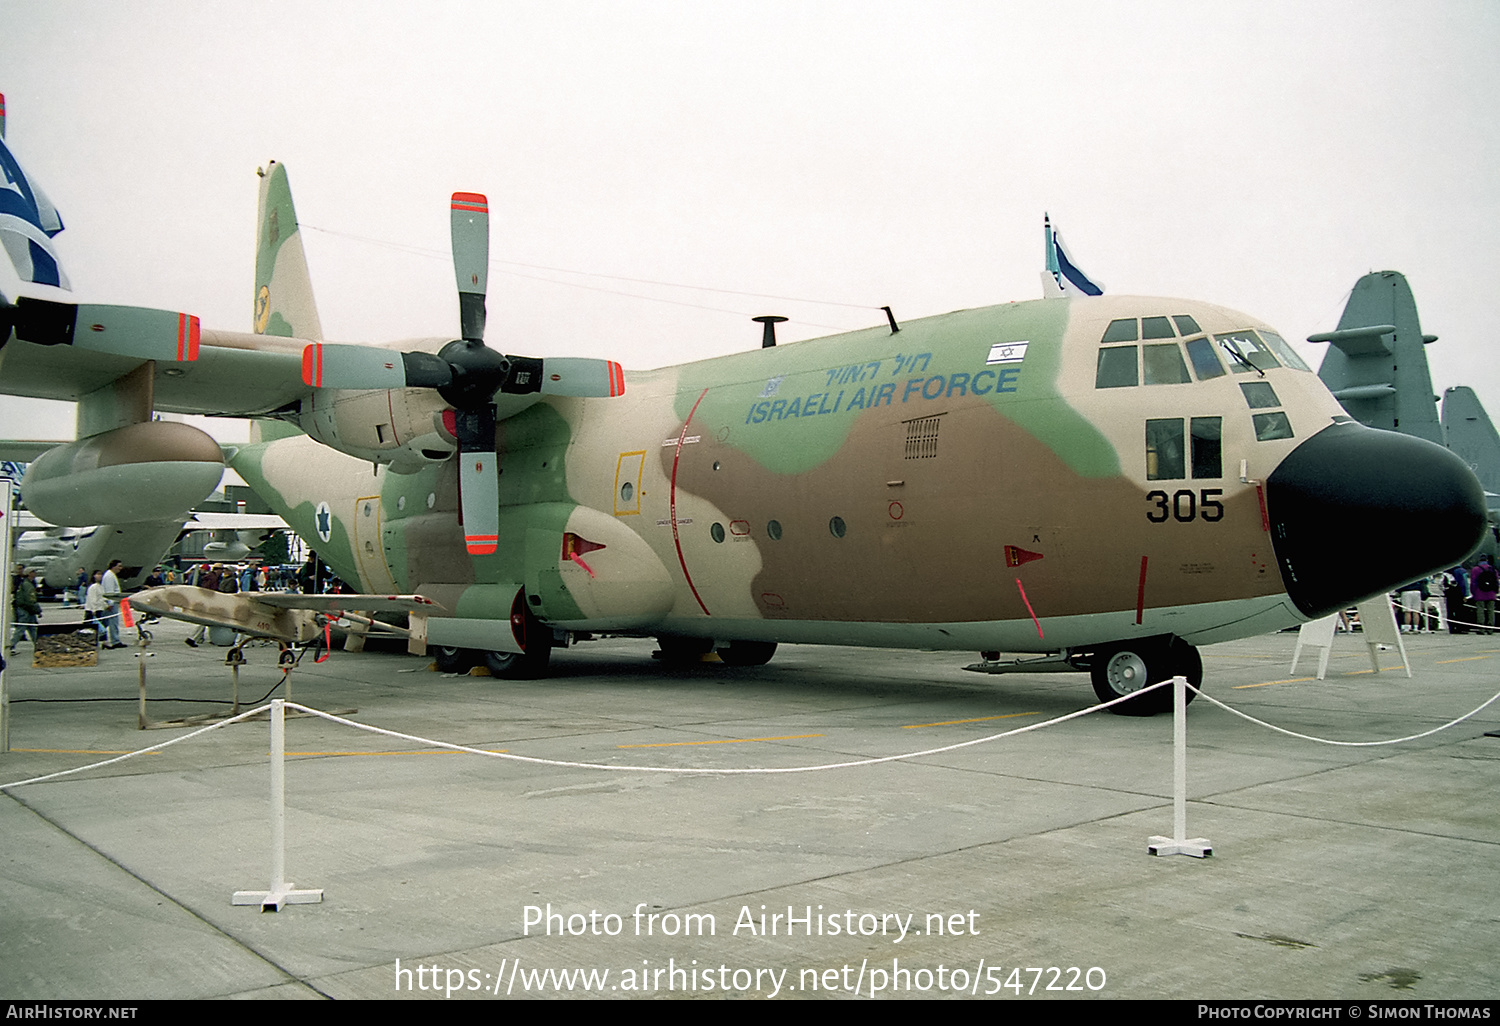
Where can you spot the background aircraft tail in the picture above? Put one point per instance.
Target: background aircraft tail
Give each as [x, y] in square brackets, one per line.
[283, 287]
[1472, 437]
[1375, 365]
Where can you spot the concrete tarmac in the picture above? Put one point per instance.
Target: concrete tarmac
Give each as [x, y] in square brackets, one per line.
[1017, 868]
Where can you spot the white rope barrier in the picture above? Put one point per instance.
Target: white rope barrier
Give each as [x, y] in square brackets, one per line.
[730, 770]
[142, 751]
[1348, 744]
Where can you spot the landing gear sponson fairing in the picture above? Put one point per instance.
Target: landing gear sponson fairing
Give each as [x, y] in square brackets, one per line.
[1115, 479]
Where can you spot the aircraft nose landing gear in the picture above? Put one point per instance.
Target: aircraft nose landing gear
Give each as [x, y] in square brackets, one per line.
[1128, 667]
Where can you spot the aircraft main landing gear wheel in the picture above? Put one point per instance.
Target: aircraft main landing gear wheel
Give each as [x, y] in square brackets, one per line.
[535, 639]
[453, 660]
[1132, 666]
[747, 653]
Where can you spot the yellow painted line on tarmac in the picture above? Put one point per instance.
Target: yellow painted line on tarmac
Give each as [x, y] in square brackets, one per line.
[1466, 659]
[1266, 684]
[727, 741]
[977, 719]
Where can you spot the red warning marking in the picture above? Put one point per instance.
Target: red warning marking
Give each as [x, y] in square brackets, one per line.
[126, 616]
[481, 544]
[672, 506]
[1140, 593]
[895, 510]
[312, 365]
[1265, 521]
[1015, 555]
[188, 331]
[1028, 607]
[475, 201]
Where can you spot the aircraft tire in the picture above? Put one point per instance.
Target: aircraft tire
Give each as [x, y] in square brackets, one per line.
[1126, 668]
[747, 653]
[536, 641]
[528, 665]
[453, 660]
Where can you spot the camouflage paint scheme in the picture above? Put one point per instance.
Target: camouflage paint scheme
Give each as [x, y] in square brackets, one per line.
[680, 478]
[962, 483]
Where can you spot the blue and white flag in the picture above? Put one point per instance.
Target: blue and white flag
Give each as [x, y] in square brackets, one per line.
[28, 221]
[1062, 277]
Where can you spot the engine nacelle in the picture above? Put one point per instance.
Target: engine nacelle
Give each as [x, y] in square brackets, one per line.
[402, 428]
[150, 471]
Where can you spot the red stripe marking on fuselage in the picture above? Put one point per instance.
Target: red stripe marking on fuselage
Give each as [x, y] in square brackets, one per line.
[1140, 593]
[676, 539]
[1026, 600]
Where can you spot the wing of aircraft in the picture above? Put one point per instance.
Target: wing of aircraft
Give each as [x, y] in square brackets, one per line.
[1110, 479]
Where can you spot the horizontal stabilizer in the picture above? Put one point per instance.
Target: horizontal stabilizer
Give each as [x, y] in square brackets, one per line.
[1366, 341]
[134, 331]
[1364, 392]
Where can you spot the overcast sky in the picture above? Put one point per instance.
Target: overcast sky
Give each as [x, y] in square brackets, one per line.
[1260, 155]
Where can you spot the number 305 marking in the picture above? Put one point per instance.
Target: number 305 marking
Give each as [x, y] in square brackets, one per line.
[1186, 506]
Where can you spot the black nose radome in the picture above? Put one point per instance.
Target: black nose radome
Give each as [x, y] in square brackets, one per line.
[1355, 511]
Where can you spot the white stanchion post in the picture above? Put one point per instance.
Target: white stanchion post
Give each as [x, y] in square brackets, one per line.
[1179, 844]
[282, 891]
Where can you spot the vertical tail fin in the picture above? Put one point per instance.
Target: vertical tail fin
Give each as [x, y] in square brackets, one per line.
[1063, 277]
[1472, 437]
[1376, 364]
[283, 288]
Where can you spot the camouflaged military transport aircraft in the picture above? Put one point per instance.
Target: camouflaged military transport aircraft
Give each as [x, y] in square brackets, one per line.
[1111, 480]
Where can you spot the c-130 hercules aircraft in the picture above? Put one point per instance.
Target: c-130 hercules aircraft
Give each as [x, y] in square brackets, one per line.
[1114, 480]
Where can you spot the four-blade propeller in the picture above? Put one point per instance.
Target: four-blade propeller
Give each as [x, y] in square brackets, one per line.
[467, 374]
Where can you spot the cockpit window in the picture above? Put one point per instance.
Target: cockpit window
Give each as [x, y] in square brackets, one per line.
[1287, 353]
[1120, 331]
[1205, 362]
[1186, 324]
[1117, 367]
[1271, 426]
[1156, 327]
[1247, 353]
[1164, 455]
[1164, 366]
[1260, 395]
